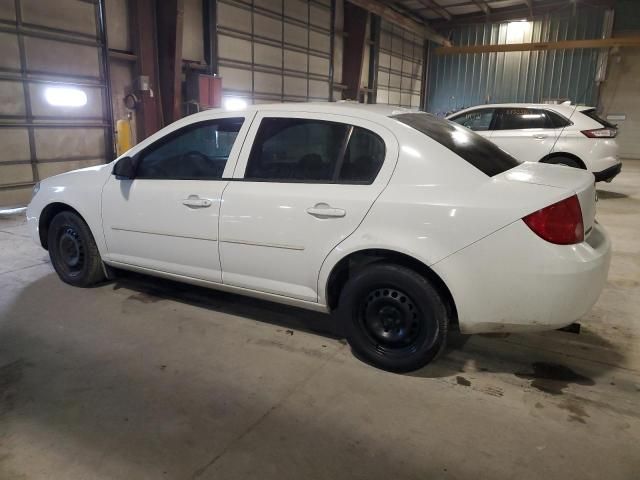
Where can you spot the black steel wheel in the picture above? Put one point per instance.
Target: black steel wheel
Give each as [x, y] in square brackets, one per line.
[394, 318]
[73, 251]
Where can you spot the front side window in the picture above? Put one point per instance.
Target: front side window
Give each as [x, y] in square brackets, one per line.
[195, 152]
[477, 120]
[520, 118]
[314, 151]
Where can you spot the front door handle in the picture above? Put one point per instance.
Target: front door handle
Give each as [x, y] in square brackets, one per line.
[323, 210]
[539, 136]
[195, 201]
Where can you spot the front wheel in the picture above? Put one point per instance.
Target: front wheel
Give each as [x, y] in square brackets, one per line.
[73, 251]
[394, 318]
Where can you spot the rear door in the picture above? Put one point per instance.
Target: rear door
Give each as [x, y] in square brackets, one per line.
[479, 120]
[303, 183]
[526, 133]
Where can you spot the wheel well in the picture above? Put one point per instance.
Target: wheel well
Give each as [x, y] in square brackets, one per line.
[552, 156]
[354, 262]
[47, 215]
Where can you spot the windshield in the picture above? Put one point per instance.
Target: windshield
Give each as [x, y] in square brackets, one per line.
[473, 148]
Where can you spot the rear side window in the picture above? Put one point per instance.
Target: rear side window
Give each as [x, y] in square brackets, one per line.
[518, 118]
[557, 120]
[477, 120]
[363, 158]
[314, 151]
[593, 115]
[473, 148]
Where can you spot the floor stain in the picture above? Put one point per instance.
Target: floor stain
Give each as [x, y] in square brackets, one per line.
[553, 378]
[144, 297]
[10, 377]
[493, 391]
[577, 411]
[463, 381]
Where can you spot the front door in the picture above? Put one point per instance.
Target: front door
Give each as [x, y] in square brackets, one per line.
[302, 185]
[166, 218]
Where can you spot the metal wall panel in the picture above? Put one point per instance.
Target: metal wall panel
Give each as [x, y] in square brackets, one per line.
[463, 80]
[46, 47]
[400, 61]
[278, 50]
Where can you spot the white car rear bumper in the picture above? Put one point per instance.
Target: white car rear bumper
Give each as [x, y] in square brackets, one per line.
[513, 281]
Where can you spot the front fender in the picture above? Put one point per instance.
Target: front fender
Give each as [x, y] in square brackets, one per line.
[81, 190]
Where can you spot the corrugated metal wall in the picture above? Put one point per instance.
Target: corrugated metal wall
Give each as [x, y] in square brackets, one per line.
[463, 80]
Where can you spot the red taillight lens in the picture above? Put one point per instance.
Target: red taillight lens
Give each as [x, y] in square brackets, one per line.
[601, 133]
[560, 223]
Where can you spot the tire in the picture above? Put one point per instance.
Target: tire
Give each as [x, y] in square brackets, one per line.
[566, 161]
[73, 251]
[394, 318]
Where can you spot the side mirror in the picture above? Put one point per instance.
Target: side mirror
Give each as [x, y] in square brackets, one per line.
[125, 168]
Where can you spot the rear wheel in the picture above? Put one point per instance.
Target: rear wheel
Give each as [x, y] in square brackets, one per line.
[394, 318]
[73, 251]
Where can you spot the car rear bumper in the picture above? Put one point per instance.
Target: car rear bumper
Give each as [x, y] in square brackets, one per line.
[608, 174]
[513, 281]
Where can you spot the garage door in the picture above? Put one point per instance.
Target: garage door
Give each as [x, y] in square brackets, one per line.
[399, 67]
[53, 115]
[274, 50]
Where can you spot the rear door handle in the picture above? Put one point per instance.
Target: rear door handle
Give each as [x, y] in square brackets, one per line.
[323, 210]
[539, 136]
[195, 201]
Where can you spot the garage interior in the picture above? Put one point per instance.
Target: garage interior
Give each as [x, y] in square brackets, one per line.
[146, 378]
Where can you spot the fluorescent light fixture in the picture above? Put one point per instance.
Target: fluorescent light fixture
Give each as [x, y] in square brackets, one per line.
[233, 103]
[65, 97]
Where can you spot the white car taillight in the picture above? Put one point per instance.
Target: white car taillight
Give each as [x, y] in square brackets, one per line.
[560, 223]
[601, 133]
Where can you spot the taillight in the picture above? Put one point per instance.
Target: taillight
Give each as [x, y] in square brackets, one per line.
[560, 223]
[601, 133]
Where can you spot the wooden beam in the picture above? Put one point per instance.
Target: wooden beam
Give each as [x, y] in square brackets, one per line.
[630, 41]
[395, 17]
[436, 8]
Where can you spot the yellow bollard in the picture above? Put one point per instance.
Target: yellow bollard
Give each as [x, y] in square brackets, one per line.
[123, 135]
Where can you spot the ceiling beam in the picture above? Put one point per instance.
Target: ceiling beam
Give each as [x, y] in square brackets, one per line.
[630, 41]
[519, 12]
[436, 8]
[397, 18]
[482, 5]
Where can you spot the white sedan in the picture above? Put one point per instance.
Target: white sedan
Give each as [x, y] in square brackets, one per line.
[564, 134]
[402, 224]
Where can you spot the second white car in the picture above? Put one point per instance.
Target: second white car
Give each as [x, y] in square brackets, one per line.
[561, 134]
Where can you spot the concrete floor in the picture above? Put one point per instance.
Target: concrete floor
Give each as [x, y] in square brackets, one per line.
[147, 379]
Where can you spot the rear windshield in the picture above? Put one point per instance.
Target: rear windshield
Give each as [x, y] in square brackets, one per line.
[593, 115]
[473, 148]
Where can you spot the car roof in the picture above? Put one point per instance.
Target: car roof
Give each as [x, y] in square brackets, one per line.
[565, 109]
[342, 107]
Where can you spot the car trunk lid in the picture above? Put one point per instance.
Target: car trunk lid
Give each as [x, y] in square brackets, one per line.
[573, 180]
